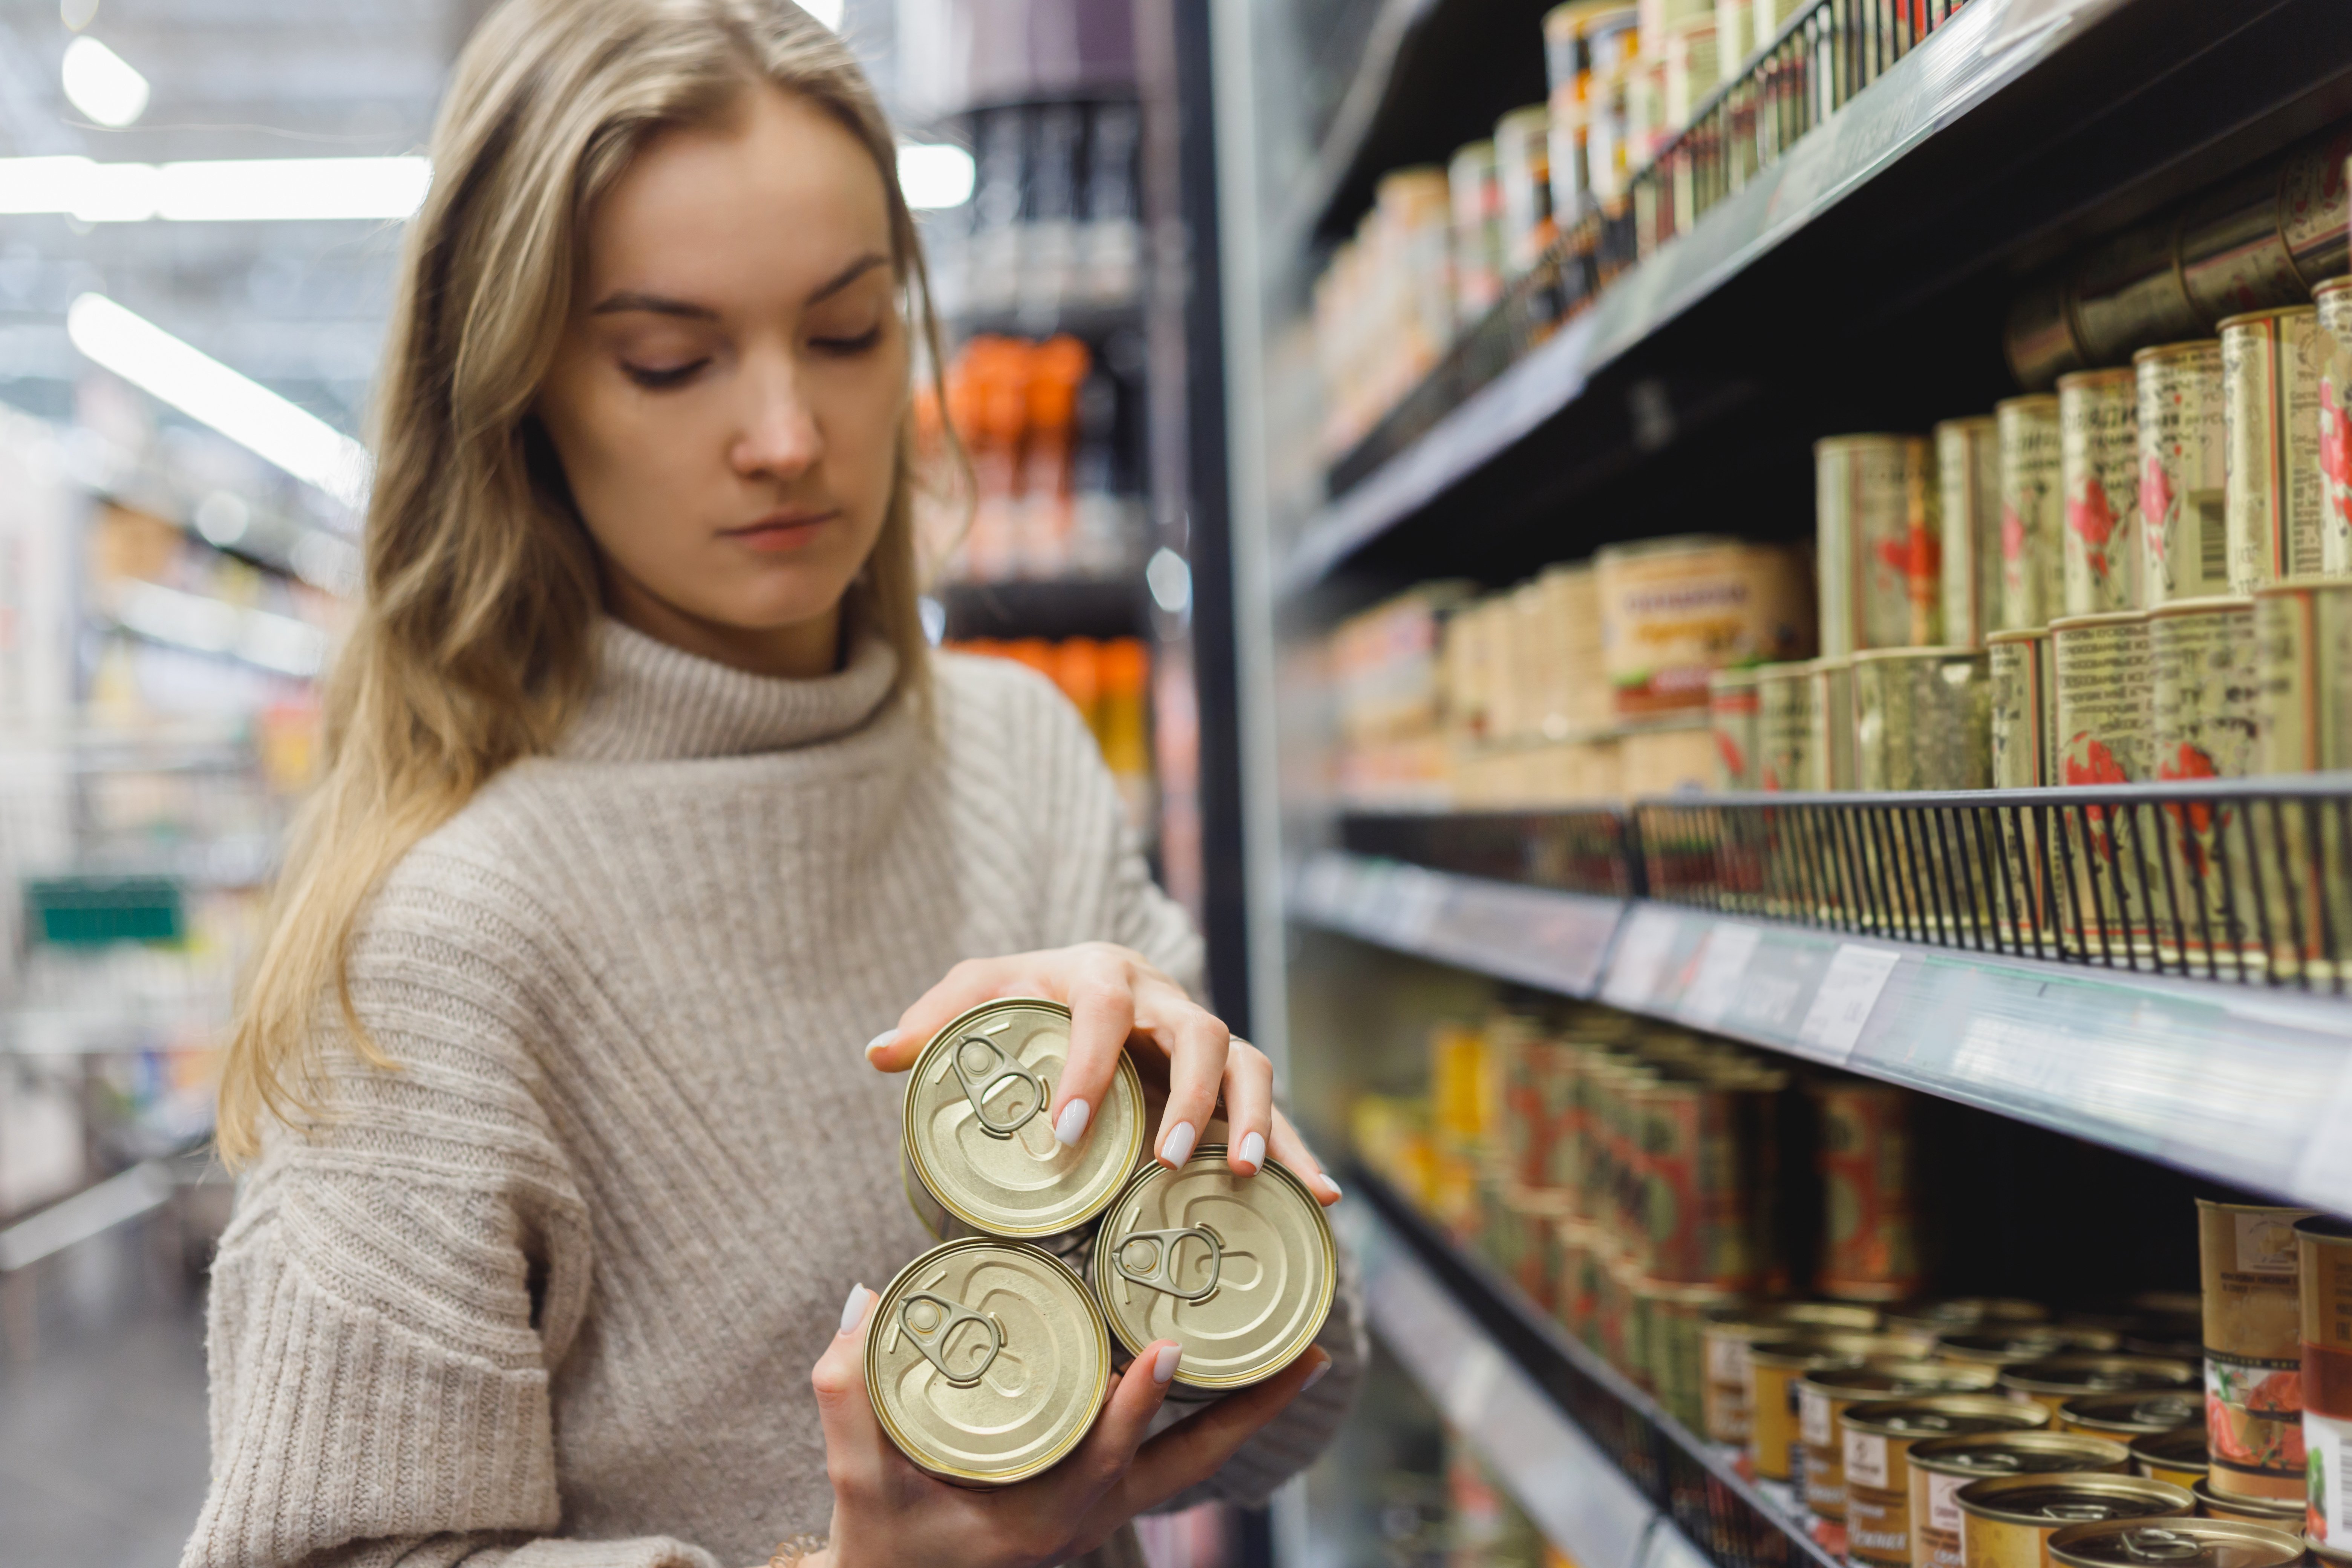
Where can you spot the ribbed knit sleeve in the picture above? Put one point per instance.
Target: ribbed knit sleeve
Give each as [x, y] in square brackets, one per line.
[399, 1281]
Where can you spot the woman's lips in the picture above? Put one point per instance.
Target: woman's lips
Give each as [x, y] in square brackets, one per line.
[791, 531]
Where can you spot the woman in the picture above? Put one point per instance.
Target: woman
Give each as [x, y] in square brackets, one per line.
[646, 804]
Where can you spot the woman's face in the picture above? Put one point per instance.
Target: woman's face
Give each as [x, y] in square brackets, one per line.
[727, 398]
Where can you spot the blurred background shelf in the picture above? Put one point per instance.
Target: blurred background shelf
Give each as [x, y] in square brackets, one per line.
[1049, 607]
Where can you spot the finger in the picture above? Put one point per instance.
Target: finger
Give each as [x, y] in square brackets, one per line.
[1249, 1107]
[1194, 1448]
[1101, 995]
[1198, 1046]
[852, 1436]
[1102, 1460]
[1292, 1150]
[963, 988]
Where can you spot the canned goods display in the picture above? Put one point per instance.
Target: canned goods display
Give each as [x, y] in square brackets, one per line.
[2136, 1414]
[1706, 1145]
[2283, 1512]
[2183, 472]
[1539, 1112]
[2007, 1520]
[1941, 1467]
[986, 1360]
[1732, 707]
[1829, 724]
[977, 1142]
[1870, 1240]
[1674, 611]
[2204, 723]
[1774, 1365]
[1783, 727]
[2175, 1542]
[1824, 1396]
[2032, 512]
[1675, 1345]
[1523, 169]
[2022, 715]
[2057, 1379]
[1922, 719]
[2098, 459]
[2303, 643]
[2333, 300]
[1474, 189]
[1965, 1314]
[2270, 375]
[1876, 1440]
[1967, 474]
[2324, 1292]
[2105, 702]
[1877, 540]
[2007, 1347]
[2179, 1456]
[2253, 1359]
[1724, 1341]
[1240, 1271]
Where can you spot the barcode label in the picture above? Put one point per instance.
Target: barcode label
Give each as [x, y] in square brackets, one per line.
[2212, 537]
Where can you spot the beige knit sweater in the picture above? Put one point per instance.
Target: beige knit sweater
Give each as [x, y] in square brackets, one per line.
[548, 1295]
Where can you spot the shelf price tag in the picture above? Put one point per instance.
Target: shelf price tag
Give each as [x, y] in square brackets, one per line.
[1641, 957]
[1715, 983]
[1849, 990]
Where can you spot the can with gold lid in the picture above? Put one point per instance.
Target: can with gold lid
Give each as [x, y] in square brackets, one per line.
[2174, 1543]
[2321, 1552]
[1867, 1154]
[1967, 474]
[1774, 1367]
[2183, 476]
[2270, 375]
[1875, 1448]
[2214, 1503]
[2005, 1347]
[2098, 456]
[2178, 1456]
[1238, 1271]
[2323, 1278]
[2032, 512]
[2134, 1413]
[2057, 1379]
[1964, 1314]
[1940, 1466]
[1825, 1394]
[2105, 701]
[1922, 719]
[1783, 727]
[2333, 300]
[976, 1141]
[2023, 724]
[2303, 645]
[2006, 1521]
[1874, 501]
[1829, 724]
[1727, 1336]
[2253, 1357]
[986, 1360]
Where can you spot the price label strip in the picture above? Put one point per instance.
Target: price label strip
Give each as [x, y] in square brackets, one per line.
[1641, 957]
[1715, 984]
[1849, 990]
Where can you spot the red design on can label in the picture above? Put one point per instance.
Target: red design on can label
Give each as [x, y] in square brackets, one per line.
[2012, 535]
[2154, 503]
[2093, 519]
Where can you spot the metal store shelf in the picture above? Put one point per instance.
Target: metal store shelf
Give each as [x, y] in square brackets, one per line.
[2249, 1086]
[1507, 1377]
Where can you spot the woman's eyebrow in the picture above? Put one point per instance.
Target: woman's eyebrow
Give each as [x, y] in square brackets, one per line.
[657, 304]
[848, 275]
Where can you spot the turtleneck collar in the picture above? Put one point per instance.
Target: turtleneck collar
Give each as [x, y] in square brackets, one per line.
[652, 702]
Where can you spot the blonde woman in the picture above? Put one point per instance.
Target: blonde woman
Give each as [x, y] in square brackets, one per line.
[647, 805]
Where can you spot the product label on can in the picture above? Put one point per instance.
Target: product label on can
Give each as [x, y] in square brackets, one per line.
[2104, 696]
[2324, 1439]
[2098, 454]
[2023, 718]
[2207, 694]
[1865, 1459]
[1726, 1360]
[1873, 499]
[2335, 432]
[1968, 473]
[2032, 561]
[2183, 480]
[2265, 1243]
[1944, 1514]
[2270, 373]
[1813, 1416]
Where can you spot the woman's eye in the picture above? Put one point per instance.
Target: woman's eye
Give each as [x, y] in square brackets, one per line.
[856, 345]
[655, 377]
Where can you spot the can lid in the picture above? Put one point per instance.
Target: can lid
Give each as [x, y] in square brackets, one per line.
[976, 1132]
[2175, 1544]
[2019, 1454]
[2071, 1499]
[986, 1360]
[1874, 1380]
[2096, 1374]
[1947, 1416]
[2019, 634]
[1957, 1313]
[2182, 1448]
[2142, 1414]
[2195, 348]
[2212, 1498]
[1940, 652]
[2103, 618]
[2307, 583]
[2108, 376]
[2039, 403]
[1238, 1271]
[2027, 1341]
[2332, 286]
[1970, 423]
[2322, 1552]
[2211, 604]
[2252, 318]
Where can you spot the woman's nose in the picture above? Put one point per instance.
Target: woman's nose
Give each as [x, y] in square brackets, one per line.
[781, 438]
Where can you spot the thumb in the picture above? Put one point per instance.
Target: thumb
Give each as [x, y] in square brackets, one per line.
[851, 1432]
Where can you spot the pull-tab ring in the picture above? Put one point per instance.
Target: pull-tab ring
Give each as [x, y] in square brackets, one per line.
[978, 1086]
[2154, 1543]
[933, 1342]
[1162, 1275]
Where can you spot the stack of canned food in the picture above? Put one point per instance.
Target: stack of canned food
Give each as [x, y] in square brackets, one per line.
[988, 1357]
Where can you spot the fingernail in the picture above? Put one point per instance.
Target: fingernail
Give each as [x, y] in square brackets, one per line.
[1317, 1375]
[1177, 1147]
[855, 1307]
[1253, 1150]
[1071, 1125]
[1163, 1365]
[880, 1040]
[1328, 1186]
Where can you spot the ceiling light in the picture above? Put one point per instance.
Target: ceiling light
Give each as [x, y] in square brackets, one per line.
[231, 191]
[935, 174]
[200, 386]
[222, 518]
[103, 84]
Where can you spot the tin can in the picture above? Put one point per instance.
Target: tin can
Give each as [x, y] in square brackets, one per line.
[1523, 169]
[1474, 192]
[1824, 1396]
[2178, 1456]
[1705, 1167]
[2126, 291]
[2327, 1555]
[976, 1141]
[2324, 1274]
[2032, 512]
[986, 1360]
[2023, 715]
[2204, 723]
[2105, 703]
[2303, 634]
[1773, 1368]
[1239, 1272]
[1877, 538]
[1940, 1466]
[2279, 1512]
[2183, 472]
[2057, 1379]
[2098, 459]
[2006, 1521]
[1538, 1111]
[1783, 727]
[1965, 1314]
[2038, 337]
[1733, 707]
[2129, 1415]
[1922, 719]
[2175, 1543]
[1676, 1342]
[2275, 503]
[2000, 1348]
[1875, 1446]
[1724, 1341]
[2333, 300]
[1829, 724]
[1577, 1290]
[1870, 1239]
[1674, 611]
[2253, 1354]
[1967, 474]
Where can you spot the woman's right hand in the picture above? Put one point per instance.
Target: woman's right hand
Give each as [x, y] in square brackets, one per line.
[886, 1513]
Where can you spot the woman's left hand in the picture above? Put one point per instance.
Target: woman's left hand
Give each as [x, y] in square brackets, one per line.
[1117, 1000]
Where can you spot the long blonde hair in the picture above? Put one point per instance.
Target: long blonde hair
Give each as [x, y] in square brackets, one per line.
[474, 643]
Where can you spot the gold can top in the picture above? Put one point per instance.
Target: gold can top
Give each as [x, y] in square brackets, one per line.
[2024, 1342]
[2067, 1500]
[1870, 440]
[1824, 1348]
[2145, 1413]
[2210, 604]
[2332, 286]
[2039, 404]
[977, 1133]
[2019, 1454]
[986, 1360]
[2258, 317]
[2233, 1505]
[1953, 1314]
[2174, 1543]
[1946, 1415]
[2018, 634]
[2103, 618]
[2195, 348]
[2096, 380]
[2182, 1448]
[1907, 655]
[1969, 425]
[2097, 1375]
[1240, 1271]
[1795, 1317]
[1879, 1380]
[2309, 583]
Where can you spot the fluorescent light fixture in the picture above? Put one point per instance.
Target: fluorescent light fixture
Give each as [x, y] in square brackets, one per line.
[103, 84]
[200, 386]
[204, 625]
[825, 11]
[243, 189]
[934, 174]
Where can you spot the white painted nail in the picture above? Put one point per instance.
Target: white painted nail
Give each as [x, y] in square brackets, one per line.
[1177, 1147]
[880, 1040]
[1071, 1125]
[1253, 1150]
[1315, 1376]
[855, 1307]
[1328, 1186]
[1163, 1365]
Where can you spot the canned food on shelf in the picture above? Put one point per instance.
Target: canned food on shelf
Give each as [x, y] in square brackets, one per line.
[2134, 1413]
[2282, 1512]
[1922, 719]
[2006, 1521]
[2183, 479]
[1829, 724]
[1730, 1331]
[2270, 378]
[2179, 1456]
[2204, 723]
[2175, 1543]
[1963, 1314]
[1876, 1445]
[2324, 1280]
[2098, 458]
[1940, 1467]
[1870, 1236]
[1783, 727]
[1824, 1397]
[2032, 512]
[1877, 539]
[2023, 715]
[1733, 710]
[1674, 611]
[1998, 1348]
[1967, 471]
[2253, 1359]
[2105, 703]
[2057, 1379]
[2333, 299]
[1474, 192]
